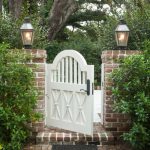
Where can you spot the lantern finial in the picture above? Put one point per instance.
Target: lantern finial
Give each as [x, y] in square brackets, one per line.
[27, 33]
[122, 34]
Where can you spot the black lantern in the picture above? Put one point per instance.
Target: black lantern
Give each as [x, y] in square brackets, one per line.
[27, 33]
[122, 34]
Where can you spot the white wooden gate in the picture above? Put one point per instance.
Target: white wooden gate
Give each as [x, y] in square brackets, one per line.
[69, 90]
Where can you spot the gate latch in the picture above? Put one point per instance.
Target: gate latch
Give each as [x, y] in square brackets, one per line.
[88, 87]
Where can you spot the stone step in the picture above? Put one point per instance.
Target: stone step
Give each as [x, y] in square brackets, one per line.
[99, 137]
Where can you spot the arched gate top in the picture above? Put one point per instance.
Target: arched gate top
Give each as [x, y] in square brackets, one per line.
[71, 53]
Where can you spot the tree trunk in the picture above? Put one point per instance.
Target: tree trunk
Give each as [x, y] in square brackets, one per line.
[17, 6]
[1, 5]
[11, 7]
[59, 14]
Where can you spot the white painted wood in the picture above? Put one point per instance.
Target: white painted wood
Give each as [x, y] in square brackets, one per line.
[84, 77]
[79, 74]
[54, 75]
[58, 74]
[67, 104]
[66, 70]
[75, 71]
[97, 105]
[76, 55]
[70, 69]
[62, 73]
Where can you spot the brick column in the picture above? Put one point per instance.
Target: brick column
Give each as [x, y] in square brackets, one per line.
[38, 64]
[115, 122]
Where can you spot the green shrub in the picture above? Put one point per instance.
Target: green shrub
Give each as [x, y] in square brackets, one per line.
[131, 93]
[17, 98]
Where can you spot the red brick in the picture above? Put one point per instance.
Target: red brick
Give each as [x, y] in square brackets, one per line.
[111, 119]
[108, 70]
[110, 102]
[108, 110]
[116, 124]
[74, 136]
[67, 137]
[81, 137]
[111, 129]
[39, 74]
[46, 137]
[116, 51]
[42, 52]
[121, 116]
[41, 83]
[37, 124]
[108, 115]
[40, 104]
[53, 137]
[40, 80]
[117, 133]
[108, 84]
[34, 51]
[59, 137]
[123, 120]
[107, 124]
[132, 52]
[88, 138]
[38, 60]
[122, 51]
[41, 97]
[95, 137]
[109, 52]
[123, 129]
[108, 92]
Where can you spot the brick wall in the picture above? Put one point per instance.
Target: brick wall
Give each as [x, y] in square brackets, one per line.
[38, 65]
[115, 122]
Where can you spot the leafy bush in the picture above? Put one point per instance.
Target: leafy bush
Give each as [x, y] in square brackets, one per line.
[10, 32]
[17, 98]
[131, 91]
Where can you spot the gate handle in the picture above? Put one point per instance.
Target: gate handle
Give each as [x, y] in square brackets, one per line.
[88, 87]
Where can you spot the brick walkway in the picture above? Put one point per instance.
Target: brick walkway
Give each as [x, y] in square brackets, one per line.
[60, 136]
[103, 139]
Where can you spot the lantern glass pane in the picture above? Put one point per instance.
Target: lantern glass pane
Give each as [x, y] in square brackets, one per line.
[122, 38]
[27, 37]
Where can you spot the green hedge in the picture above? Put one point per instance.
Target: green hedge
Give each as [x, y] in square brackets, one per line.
[131, 93]
[17, 98]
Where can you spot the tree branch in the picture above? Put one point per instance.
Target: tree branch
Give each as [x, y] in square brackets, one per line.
[87, 16]
[59, 14]
[1, 4]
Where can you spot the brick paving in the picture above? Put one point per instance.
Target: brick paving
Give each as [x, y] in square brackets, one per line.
[59, 135]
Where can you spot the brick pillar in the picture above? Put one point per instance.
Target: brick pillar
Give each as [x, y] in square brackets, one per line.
[38, 65]
[115, 122]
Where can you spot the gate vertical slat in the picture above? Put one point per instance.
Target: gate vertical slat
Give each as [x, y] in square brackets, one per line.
[58, 72]
[83, 77]
[54, 75]
[75, 71]
[62, 73]
[79, 75]
[66, 70]
[70, 68]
